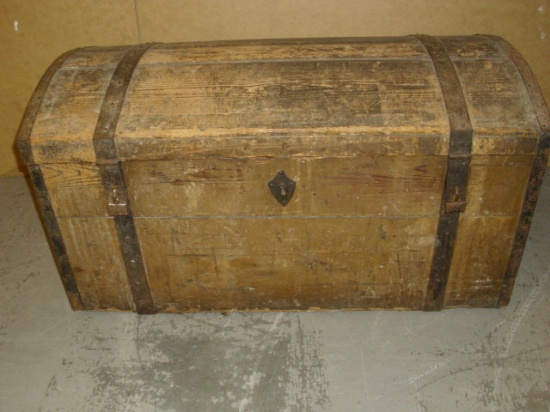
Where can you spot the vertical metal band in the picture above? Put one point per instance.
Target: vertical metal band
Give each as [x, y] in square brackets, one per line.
[113, 178]
[55, 239]
[537, 169]
[40, 191]
[458, 170]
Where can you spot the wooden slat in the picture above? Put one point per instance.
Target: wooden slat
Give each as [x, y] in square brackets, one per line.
[480, 258]
[382, 185]
[497, 185]
[95, 255]
[75, 190]
[499, 104]
[284, 143]
[497, 99]
[392, 97]
[26, 127]
[289, 263]
[295, 49]
[64, 126]
[516, 143]
[537, 171]
[96, 57]
[471, 47]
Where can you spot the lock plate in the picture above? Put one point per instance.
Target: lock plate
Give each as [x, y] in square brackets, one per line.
[282, 187]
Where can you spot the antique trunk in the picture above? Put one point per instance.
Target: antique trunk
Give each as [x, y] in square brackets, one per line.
[371, 173]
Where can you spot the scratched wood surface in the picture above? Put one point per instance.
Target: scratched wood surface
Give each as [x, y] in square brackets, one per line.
[287, 49]
[302, 96]
[330, 186]
[224, 229]
[96, 259]
[75, 189]
[281, 95]
[486, 230]
[360, 124]
[68, 115]
[287, 263]
[483, 247]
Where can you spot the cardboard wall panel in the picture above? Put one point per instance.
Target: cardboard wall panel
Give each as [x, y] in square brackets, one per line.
[46, 29]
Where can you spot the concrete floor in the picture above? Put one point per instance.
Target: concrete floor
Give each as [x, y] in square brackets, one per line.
[53, 359]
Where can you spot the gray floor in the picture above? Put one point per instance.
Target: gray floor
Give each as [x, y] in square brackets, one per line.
[53, 359]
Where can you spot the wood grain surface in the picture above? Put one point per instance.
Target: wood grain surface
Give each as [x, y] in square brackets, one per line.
[360, 186]
[94, 252]
[360, 125]
[287, 263]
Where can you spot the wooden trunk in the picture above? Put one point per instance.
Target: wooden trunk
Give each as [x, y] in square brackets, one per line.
[416, 164]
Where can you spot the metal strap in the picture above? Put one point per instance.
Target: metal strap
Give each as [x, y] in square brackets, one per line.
[537, 169]
[458, 170]
[43, 202]
[104, 134]
[113, 178]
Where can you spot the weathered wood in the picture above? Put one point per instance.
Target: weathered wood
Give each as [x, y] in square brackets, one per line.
[536, 176]
[287, 49]
[287, 143]
[113, 178]
[471, 47]
[480, 257]
[188, 136]
[37, 181]
[538, 169]
[494, 202]
[458, 171]
[65, 137]
[70, 109]
[75, 189]
[98, 265]
[497, 184]
[96, 57]
[287, 263]
[33, 108]
[56, 239]
[361, 186]
[179, 101]
[497, 98]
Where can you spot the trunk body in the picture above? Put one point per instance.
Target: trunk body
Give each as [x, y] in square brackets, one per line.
[412, 168]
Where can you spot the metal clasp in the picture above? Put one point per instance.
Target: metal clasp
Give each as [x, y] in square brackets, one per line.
[117, 203]
[282, 187]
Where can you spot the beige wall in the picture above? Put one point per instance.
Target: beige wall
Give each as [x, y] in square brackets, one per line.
[45, 29]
